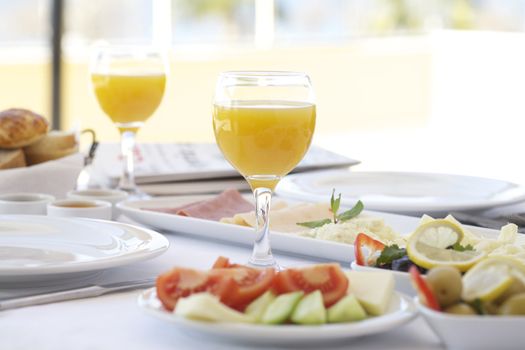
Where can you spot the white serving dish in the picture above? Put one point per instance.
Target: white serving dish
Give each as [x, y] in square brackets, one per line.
[108, 195]
[475, 332]
[285, 242]
[82, 208]
[25, 203]
[401, 311]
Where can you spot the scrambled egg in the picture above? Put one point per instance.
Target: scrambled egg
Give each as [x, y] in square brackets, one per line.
[346, 232]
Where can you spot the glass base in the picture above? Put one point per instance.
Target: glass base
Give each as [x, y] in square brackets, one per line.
[264, 263]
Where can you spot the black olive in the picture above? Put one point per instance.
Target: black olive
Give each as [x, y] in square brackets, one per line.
[402, 264]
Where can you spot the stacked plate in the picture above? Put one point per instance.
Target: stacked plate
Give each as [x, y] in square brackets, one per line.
[403, 192]
[34, 249]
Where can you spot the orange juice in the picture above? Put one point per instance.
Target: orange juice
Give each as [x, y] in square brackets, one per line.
[129, 99]
[264, 140]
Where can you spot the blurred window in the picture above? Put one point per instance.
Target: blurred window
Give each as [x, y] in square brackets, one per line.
[116, 21]
[213, 22]
[201, 22]
[24, 22]
[24, 55]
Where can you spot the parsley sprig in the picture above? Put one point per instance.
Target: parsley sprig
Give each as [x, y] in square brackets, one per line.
[389, 254]
[336, 218]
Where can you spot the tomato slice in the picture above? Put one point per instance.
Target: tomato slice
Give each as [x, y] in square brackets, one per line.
[248, 284]
[224, 263]
[182, 282]
[234, 286]
[328, 278]
[426, 295]
[373, 246]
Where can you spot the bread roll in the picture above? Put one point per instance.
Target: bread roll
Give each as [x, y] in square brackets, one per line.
[21, 127]
[12, 159]
[56, 144]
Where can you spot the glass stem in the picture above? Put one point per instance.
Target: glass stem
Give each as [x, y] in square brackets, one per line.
[262, 252]
[127, 145]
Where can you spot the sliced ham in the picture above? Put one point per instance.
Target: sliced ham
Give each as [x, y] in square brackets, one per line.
[174, 210]
[226, 204]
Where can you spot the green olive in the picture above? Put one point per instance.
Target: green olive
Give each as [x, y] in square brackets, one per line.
[517, 287]
[460, 309]
[515, 305]
[491, 308]
[446, 283]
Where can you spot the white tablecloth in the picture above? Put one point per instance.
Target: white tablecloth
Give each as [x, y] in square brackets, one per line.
[115, 322]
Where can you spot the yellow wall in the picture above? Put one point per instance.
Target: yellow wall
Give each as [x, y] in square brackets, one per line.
[364, 85]
[25, 85]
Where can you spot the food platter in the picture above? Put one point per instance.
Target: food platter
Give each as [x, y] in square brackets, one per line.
[284, 242]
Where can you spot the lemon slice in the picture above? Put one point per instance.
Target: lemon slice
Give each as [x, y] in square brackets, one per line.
[439, 233]
[427, 246]
[491, 278]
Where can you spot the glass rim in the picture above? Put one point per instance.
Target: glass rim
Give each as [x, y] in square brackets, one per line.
[127, 48]
[255, 74]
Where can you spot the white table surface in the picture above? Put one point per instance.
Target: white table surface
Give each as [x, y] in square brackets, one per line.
[115, 322]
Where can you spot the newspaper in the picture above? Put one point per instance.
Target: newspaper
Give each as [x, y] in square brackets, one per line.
[182, 164]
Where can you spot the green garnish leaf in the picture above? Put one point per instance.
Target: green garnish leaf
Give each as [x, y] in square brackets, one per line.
[390, 253]
[459, 248]
[314, 224]
[334, 205]
[352, 213]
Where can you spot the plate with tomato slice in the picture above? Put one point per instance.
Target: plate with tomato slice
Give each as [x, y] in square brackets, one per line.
[400, 312]
[236, 288]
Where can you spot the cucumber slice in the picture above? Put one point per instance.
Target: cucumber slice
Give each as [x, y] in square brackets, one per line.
[310, 310]
[206, 307]
[347, 309]
[281, 308]
[257, 307]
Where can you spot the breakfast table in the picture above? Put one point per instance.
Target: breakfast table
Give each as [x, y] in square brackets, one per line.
[114, 321]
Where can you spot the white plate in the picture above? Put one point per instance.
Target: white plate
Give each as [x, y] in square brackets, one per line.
[38, 248]
[475, 332]
[285, 242]
[401, 311]
[403, 192]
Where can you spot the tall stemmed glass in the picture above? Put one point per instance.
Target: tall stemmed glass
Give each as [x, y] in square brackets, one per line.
[129, 83]
[263, 124]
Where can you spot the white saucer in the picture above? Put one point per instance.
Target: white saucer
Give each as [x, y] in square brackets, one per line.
[400, 192]
[41, 248]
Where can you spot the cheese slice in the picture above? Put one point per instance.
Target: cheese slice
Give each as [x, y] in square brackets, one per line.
[284, 218]
[373, 290]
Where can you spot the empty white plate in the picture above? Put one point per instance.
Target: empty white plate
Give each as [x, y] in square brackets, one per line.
[403, 192]
[41, 248]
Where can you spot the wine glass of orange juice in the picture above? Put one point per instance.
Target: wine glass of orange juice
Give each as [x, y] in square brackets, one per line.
[129, 83]
[263, 124]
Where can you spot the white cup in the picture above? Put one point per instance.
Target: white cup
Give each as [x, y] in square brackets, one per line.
[25, 203]
[112, 196]
[80, 208]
